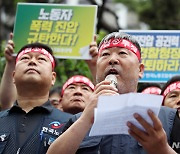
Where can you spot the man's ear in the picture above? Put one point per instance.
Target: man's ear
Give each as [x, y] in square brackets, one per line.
[141, 70]
[53, 78]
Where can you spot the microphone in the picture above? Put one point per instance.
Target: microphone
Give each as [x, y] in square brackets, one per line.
[112, 78]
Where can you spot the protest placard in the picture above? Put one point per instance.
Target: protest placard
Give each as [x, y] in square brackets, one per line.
[68, 30]
[160, 50]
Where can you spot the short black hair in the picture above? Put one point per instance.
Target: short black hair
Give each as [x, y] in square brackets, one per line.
[170, 81]
[39, 45]
[55, 90]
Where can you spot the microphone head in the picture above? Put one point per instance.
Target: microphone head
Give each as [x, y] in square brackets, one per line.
[112, 78]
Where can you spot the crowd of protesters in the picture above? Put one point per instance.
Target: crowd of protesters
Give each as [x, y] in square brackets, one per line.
[36, 115]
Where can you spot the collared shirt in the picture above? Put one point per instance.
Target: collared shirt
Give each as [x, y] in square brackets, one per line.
[31, 132]
[28, 122]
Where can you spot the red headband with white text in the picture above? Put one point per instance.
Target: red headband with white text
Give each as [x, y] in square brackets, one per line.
[152, 90]
[40, 50]
[171, 87]
[77, 79]
[123, 43]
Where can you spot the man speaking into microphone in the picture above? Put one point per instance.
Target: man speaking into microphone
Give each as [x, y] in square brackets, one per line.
[119, 68]
[112, 78]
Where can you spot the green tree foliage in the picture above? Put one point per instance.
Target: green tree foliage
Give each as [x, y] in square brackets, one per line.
[158, 14]
[162, 14]
[2, 59]
[67, 67]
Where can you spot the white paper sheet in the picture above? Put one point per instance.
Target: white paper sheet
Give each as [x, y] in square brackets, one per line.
[113, 112]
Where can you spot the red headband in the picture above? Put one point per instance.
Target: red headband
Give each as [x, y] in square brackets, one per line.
[123, 43]
[152, 90]
[40, 50]
[77, 79]
[171, 87]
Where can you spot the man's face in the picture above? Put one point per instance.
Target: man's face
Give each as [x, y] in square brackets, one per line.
[34, 67]
[172, 99]
[55, 100]
[75, 97]
[123, 64]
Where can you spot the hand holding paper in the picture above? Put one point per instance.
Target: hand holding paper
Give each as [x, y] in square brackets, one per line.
[154, 138]
[113, 112]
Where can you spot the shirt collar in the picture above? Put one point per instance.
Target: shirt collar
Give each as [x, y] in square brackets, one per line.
[46, 107]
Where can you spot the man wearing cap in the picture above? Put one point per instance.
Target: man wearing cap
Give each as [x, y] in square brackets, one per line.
[75, 93]
[120, 55]
[32, 124]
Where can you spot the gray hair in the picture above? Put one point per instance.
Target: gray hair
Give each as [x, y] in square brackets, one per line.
[123, 36]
